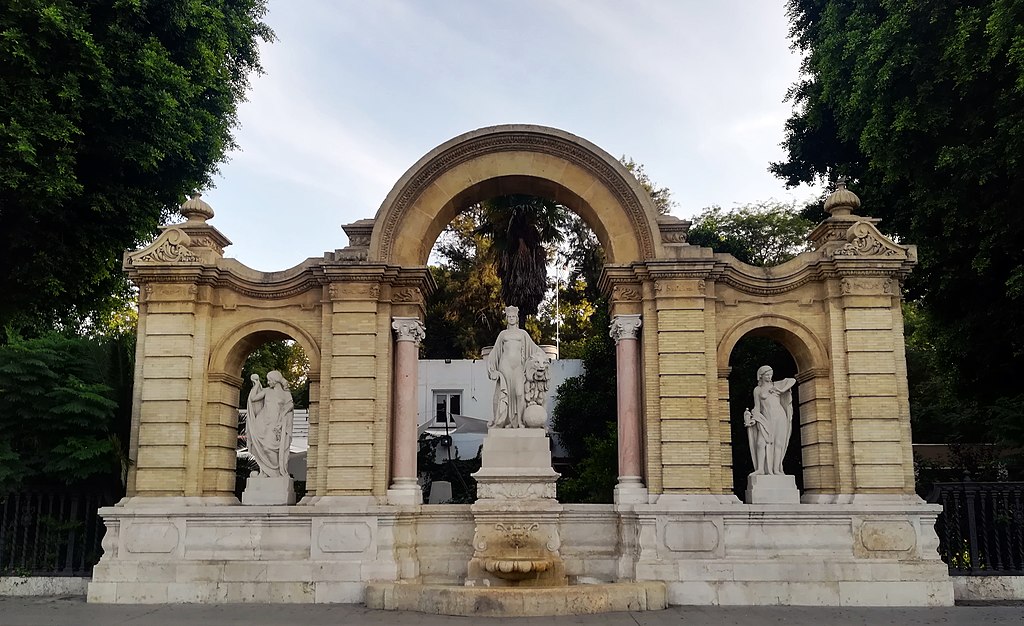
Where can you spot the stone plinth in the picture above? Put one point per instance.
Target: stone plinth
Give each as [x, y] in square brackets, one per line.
[515, 466]
[772, 489]
[269, 490]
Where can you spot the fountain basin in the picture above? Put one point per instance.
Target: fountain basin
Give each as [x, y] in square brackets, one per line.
[516, 568]
[517, 601]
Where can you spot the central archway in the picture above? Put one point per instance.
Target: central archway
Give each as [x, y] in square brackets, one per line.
[517, 158]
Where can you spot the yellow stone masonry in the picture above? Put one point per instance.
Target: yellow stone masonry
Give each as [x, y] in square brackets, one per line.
[835, 308]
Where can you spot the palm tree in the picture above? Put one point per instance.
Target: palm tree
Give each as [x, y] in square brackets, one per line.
[520, 226]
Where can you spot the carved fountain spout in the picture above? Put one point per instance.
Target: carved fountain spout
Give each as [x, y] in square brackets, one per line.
[525, 561]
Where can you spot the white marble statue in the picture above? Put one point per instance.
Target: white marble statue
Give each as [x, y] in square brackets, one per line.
[770, 422]
[268, 424]
[520, 368]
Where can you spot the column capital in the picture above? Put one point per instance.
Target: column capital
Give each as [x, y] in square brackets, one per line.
[408, 329]
[624, 327]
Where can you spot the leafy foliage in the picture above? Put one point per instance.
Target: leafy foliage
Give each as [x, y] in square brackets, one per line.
[764, 234]
[60, 417]
[110, 112]
[284, 356]
[584, 411]
[464, 314]
[921, 103]
[522, 229]
[660, 196]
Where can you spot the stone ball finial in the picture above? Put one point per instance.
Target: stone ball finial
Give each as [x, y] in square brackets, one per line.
[842, 201]
[196, 209]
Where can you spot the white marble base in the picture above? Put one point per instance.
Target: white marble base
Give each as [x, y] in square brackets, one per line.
[268, 490]
[880, 553]
[772, 489]
[515, 464]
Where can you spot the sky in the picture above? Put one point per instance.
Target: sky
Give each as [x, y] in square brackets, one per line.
[355, 92]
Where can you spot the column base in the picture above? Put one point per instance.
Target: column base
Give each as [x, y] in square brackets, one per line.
[405, 492]
[630, 490]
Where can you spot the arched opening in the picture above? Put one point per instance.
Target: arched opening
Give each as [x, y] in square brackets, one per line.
[464, 316]
[793, 351]
[286, 357]
[515, 159]
[255, 349]
[751, 353]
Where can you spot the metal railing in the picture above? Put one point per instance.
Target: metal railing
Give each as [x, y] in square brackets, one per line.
[981, 528]
[51, 532]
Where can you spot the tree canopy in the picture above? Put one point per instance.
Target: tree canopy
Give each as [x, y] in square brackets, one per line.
[764, 233]
[921, 104]
[110, 113]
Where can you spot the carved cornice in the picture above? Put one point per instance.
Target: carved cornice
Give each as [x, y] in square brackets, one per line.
[811, 374]
[224, 377]
[408, 329]
[518, 140]
[624, 327]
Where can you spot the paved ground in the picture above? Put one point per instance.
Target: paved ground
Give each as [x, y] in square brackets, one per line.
[74, 611]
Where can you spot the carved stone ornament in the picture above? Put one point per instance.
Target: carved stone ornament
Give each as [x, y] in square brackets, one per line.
[405, 295]
[626, 293]
[624, 327]
[516, 490]
[663, 287]
[865, 240]
[408, 329]
[869, 286]
[170, 247]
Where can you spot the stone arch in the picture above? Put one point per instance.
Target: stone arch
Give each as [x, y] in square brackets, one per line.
[219, 433]
[515, 159]
[814, 382]
[806, 348]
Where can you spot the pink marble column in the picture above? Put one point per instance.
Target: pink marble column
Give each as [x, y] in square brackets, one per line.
[630, 488]
[409, 332]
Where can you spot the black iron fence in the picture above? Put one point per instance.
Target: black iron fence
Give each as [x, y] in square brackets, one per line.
[51, 532]
[981, 528]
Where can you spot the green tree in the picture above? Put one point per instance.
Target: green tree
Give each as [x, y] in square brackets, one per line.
[285, 356]
[764, 233]
[110, 113]
[522, 230]
[660, 196]
[464, 314]
[921, 103]
[64, 410]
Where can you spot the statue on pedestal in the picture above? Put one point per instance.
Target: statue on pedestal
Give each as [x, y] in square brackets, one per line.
[268, 424]
[520, 368]
[770, 422]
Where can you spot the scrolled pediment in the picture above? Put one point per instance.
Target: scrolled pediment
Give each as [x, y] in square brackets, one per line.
[171, 247]
[864, 240]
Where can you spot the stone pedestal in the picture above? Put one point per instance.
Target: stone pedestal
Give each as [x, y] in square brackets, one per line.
[515, 465]
[772, 489]
[269, 490]
[516, 540]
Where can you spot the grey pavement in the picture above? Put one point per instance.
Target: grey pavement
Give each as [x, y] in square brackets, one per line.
[75, 611]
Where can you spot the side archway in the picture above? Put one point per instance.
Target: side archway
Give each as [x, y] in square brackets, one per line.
[509, 159]
[220, 430]
[814, 382]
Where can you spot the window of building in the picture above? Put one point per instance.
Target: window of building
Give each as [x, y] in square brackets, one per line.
[446, 404]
